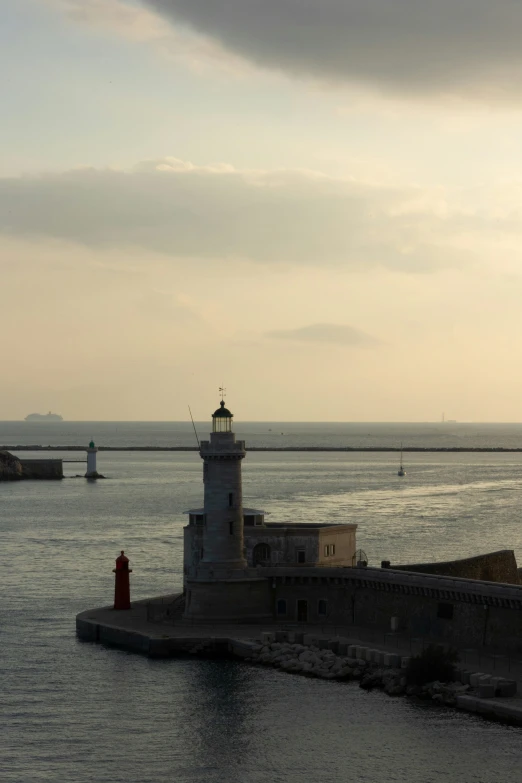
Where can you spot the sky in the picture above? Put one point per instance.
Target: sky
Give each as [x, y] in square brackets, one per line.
[315, 203]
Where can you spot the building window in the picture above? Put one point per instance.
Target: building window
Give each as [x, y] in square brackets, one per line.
[230, 499]
[445, 611]
[231, 526]
[322, 608]
[281, 606]
[261, 554]
[332, 549]
[326, 550]
[301, 556]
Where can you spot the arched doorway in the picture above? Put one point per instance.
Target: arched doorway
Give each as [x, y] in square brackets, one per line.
[261, 554]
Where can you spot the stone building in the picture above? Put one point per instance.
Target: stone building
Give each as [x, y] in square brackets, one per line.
[225, 532]
[240, 568]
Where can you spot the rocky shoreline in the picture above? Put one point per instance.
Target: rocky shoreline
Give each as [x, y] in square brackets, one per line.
[10, 467]
[344, 662]
[388, 674]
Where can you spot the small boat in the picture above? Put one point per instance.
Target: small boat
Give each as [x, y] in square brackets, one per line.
[401, 471]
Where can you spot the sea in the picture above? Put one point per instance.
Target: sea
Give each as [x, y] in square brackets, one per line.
[77, 712]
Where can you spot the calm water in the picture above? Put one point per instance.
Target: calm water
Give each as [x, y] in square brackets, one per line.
[267, 434]
[78, 712]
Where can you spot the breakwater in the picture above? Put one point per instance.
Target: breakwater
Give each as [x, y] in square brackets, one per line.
[295, 652]
[348, 449]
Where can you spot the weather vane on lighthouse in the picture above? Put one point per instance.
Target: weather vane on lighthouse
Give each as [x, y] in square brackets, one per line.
[222, 392]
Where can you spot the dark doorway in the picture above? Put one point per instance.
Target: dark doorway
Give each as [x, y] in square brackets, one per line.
[302, 611]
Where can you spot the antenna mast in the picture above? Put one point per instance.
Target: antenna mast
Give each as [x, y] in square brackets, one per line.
[195, 433]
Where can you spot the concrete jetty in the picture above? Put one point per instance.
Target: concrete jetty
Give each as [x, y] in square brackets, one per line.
[154, 627]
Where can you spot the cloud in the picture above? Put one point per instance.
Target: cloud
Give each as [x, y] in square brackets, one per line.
[217, 213]
[141, 25]
[469, 48]
[339, 334]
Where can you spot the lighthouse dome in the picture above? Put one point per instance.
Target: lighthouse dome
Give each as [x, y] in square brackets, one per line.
[222, 412]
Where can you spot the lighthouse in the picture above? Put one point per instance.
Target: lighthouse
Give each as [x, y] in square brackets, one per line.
[223, 588]
[222, 456]
[91, 461]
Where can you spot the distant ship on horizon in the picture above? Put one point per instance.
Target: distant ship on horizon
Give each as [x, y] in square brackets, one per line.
[44, 417]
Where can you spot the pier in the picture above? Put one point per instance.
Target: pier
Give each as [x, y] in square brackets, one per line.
[324, 449]
[151, 629]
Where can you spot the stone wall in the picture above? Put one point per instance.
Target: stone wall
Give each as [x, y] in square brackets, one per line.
[343, 539]
[492, 567]
[15, 469]
[462, 612]
[237, 599]
[192, 550]
[42, 468]
[284, 543]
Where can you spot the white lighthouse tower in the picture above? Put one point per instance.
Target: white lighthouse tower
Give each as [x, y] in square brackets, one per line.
[223, 587]
[91, 461]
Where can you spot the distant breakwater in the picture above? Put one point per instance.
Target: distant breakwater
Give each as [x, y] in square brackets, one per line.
[349, 449]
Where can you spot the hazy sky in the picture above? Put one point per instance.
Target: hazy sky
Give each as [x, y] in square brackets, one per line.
[317, 203]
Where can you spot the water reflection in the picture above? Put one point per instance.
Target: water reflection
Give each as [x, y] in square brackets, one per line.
[222, 718]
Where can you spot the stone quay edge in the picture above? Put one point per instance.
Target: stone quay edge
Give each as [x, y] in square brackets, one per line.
[292, 651]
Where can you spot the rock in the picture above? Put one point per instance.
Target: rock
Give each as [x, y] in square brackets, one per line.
[457, 687]
[395, 690]
[10, 467]
[369, 681]
[438, 697]
[507, 688]
[392, 660]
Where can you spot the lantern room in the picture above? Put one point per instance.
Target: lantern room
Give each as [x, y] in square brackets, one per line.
[222, 419]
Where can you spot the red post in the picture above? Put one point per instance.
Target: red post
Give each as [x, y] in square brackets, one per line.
[122, 586]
